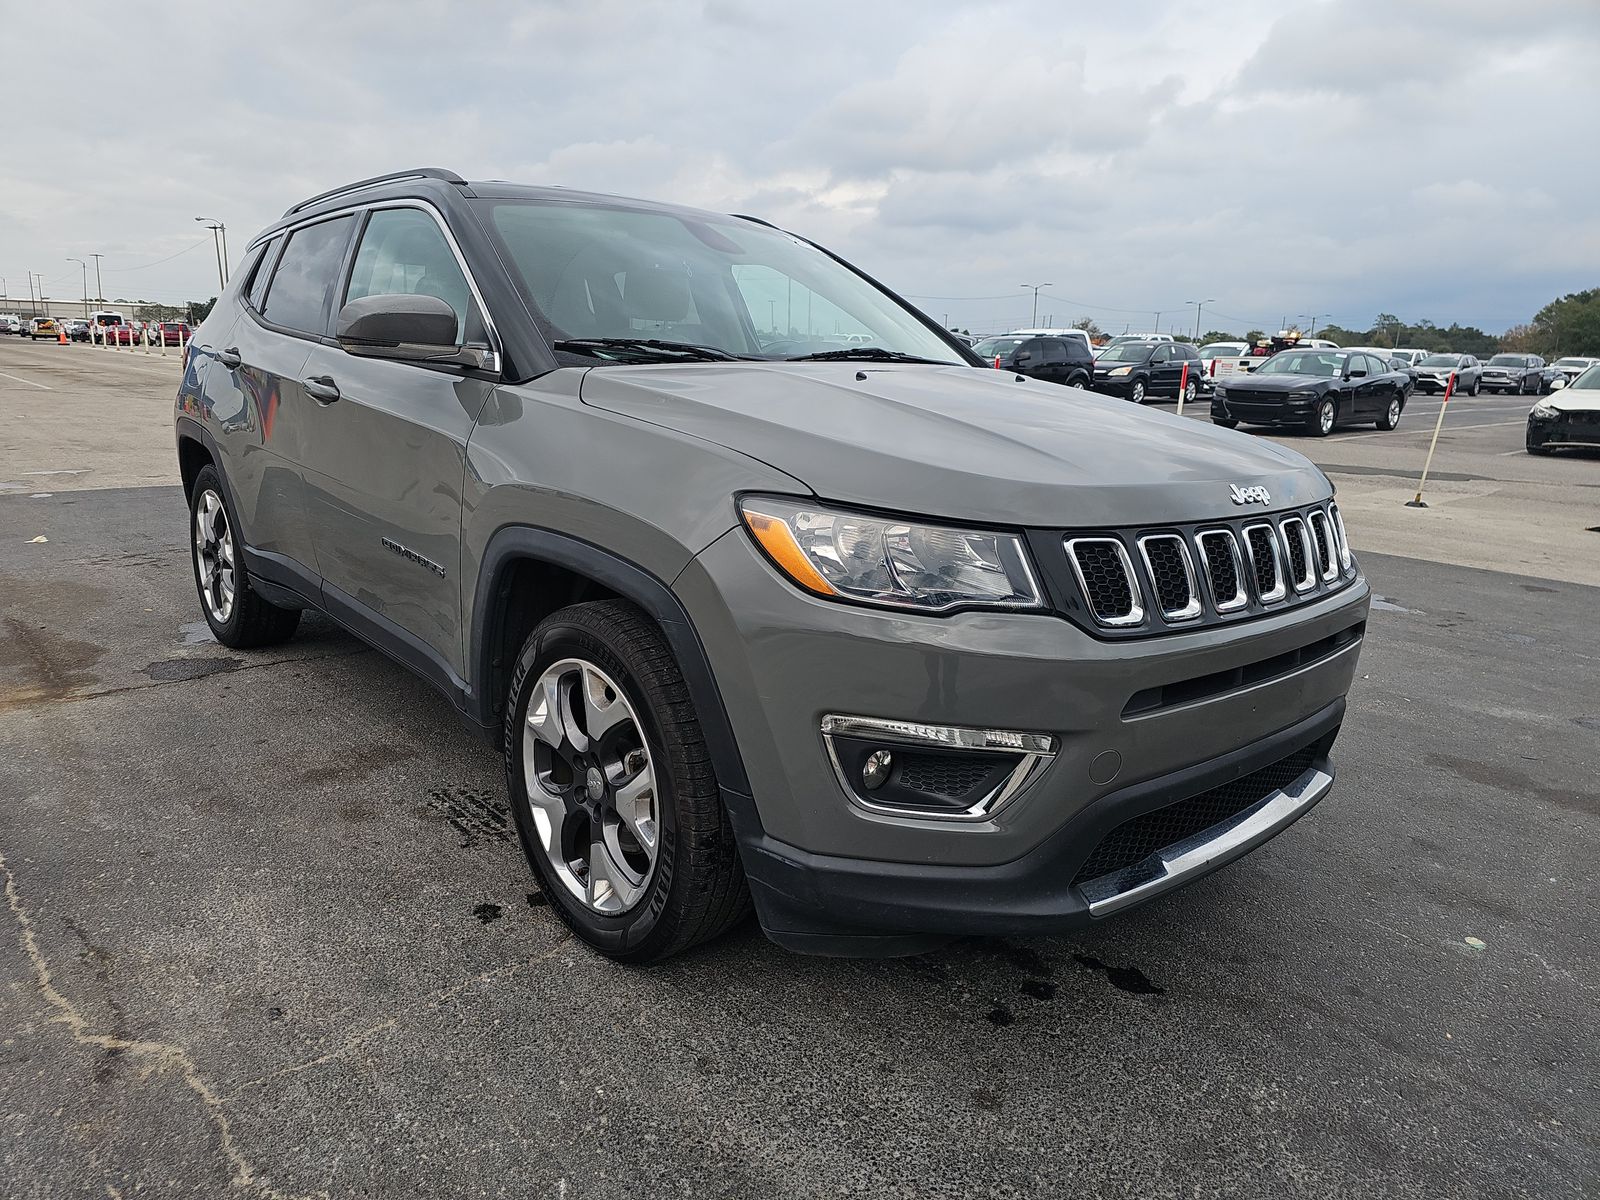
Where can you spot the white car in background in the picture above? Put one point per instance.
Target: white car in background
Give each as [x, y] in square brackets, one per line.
[1410, 353]
[1572, 367]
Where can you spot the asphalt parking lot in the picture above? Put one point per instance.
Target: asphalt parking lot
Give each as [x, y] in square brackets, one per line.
[269, 934]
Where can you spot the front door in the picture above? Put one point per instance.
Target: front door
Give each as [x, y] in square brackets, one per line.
[385, 471]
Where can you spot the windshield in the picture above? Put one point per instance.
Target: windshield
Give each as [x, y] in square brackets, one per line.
[1589, 381]
[1303, 362]
[1572, 362]
[725, 285]
[1126, 352]
[1441, 360]
[1222, 350]
[1002, 346]
[1506, 360]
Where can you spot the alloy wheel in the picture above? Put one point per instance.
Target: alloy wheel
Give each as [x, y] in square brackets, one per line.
[1325, 417]
[1394, 412]
[213, 556]
[591, 786]
[1137, 394]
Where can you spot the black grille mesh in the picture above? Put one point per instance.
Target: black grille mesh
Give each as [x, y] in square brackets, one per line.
[1297, 549]
[1319, 539]
[1135, 840]
[1266, 563]
[1110, 593]
[943, 774]
[1165, 555]
[1220, 566]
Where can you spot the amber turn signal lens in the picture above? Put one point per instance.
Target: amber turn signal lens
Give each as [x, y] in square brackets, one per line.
[776, 538]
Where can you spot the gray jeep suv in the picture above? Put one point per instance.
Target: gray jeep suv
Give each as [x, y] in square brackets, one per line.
[771, 594]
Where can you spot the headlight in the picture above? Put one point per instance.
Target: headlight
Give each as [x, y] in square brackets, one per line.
[1218, 392]
[889, 562]
[1302, 395]
[1544, 410]
[1120, 371]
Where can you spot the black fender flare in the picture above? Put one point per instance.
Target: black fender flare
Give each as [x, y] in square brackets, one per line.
[632, 582]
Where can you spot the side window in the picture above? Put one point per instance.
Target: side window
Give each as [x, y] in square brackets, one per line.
[403, 252]
[1054, 351]
[263, 272]
[1162, 354]
[297, 297]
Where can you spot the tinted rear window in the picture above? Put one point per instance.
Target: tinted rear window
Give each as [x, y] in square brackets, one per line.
[298, 295]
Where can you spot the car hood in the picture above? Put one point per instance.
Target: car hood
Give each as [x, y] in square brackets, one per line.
[1278, 384]
[1574, 400]
[960, 443]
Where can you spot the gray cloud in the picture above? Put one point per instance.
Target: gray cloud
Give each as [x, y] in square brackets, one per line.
[1341, 156]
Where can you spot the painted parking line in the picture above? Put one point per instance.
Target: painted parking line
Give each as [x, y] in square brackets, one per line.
[44, 386]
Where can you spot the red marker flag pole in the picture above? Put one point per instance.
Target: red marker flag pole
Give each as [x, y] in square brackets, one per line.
[1183, 386]
[1449, 390]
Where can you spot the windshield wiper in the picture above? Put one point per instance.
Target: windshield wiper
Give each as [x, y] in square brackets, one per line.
[866, 354]
[680, 349]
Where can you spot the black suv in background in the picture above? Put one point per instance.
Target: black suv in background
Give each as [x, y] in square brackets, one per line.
[1138, 370]
[1055, 360]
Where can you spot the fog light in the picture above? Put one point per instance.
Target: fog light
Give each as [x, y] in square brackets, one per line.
[875, 773]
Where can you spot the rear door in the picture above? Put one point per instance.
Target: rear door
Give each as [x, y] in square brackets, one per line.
[254, 383]
[386, 467]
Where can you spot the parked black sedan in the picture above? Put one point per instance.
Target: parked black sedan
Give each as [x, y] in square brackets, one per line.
[1139, 370]
[1056, 360]
[1315, 389]
[1519, 373]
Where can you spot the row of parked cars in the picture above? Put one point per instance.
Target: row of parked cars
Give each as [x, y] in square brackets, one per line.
[1295, 381]
[109, 327]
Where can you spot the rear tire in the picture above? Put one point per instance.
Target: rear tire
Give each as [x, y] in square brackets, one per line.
[1391, 415]
[239, 618]
[640, 868]
[1190, 391]
[1477, 386]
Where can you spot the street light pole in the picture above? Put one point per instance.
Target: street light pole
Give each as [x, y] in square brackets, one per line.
[85, 267]
[99, 292]
[1198, 305]
[219, 234]
[1035, 287]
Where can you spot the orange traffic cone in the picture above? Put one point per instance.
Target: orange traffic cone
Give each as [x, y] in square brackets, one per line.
[61, 330]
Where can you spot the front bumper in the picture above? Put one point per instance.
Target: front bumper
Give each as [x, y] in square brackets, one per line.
[1262, 412]
[1121, 387]
[816, 856]
[1566, 429]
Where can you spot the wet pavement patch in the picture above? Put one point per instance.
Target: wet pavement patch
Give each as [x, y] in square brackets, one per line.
[1039, 989]
[477, 816]
[487, 912]
[171, 670]
[1001, 1015]
[537, 900]
[1127, 979]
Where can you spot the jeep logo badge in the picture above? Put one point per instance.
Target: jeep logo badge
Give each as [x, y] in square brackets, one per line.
[1249, 495]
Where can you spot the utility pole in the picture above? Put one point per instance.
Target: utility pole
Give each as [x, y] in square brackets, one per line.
[1035, 288]
[1313, 318]
[1156, 328]
[219, 235]
[99, 292]
[85, 267]
[1198, 305]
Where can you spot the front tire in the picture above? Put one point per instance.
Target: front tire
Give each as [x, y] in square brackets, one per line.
[1323, 418]
[239, 618]
[1225, 422]
[1136, 391]
[615, 799]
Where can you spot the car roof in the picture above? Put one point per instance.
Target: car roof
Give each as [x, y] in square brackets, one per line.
[439, 185]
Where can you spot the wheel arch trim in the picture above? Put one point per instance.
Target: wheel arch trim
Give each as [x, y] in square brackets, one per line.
[512, 543]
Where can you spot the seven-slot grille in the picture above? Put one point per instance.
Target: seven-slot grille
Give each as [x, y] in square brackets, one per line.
[1204, 573]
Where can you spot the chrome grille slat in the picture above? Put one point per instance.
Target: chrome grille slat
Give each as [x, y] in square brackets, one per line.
[1219, 550]
[1322, 540]
[1166, 558]
[1261, 544]
[1298, 554]
[1106, 575]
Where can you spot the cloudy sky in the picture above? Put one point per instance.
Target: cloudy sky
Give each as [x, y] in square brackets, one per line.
[1432, 158]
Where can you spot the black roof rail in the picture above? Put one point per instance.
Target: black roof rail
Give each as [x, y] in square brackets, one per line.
[757, 220]
[393, 176]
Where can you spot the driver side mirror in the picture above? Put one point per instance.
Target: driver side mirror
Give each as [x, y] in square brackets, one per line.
[1357, 373]
[405, 328]
[1023, 358]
